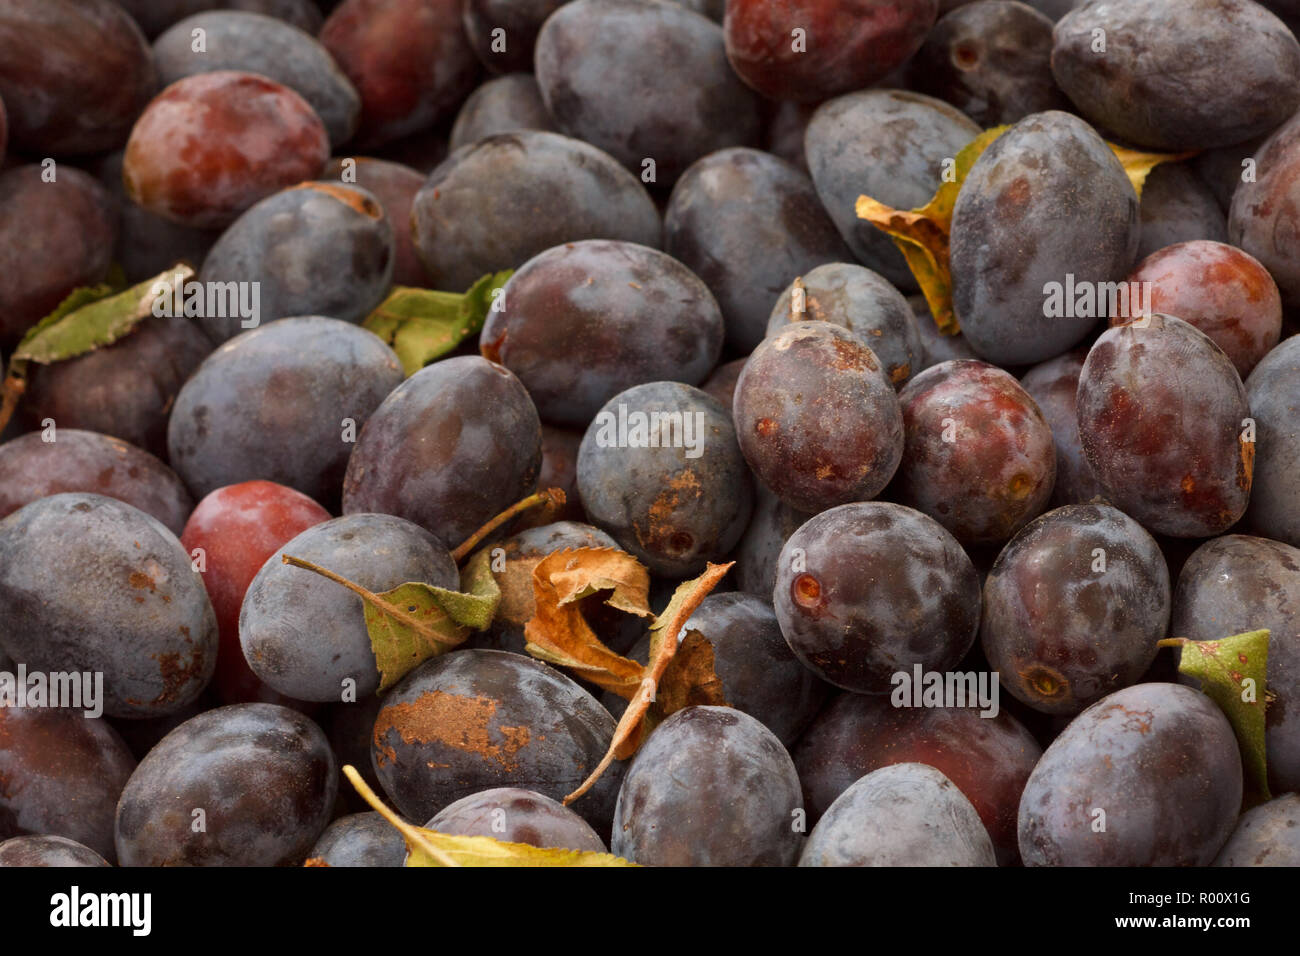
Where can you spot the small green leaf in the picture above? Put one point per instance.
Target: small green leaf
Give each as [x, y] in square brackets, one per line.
[422, 325]
[91, 318]
[1231, 672]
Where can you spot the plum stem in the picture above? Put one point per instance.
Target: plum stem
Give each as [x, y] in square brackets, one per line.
[11, 390]
[551, 496]
[412, 834]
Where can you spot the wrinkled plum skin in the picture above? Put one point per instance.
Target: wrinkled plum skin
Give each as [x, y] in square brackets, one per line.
[238, 527]
[264, 776]
[489, 458]
[496, 203]
[272, 403]
[47, 851]
[155, 16]
[587, 320]
[409, 59]
[1239, 583]
[889, 145]
[126, 390]
[1274, 392]
[748, 224]
[817, 417]
[710, 787]
[989, 759]
[304, 635]
[394, 186]
[316, 249]
[1267, 835]
[482, 718]
[74, 75]
[1133, 399]
[990, 60]
[128, 602]
[211, 145]
[756, 555]
[671, 511]
[505, 104]
[907, 814]
[1264, 217]
[63, 773]
[861, 301]
[360, 839]
[54, 237]
[1053, 385]
[1160, 760]
[635, 111]
[527, 817]
[1185, 102]
[996, 472]
[31, 468]
[521, 20]
[849, 44]
[1061, 632]
[1047, 199]
[877, 589]
[1221, 290]
[259, 44]
[1177, 207]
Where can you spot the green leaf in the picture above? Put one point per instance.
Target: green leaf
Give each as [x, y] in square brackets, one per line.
[422, 325]
[91, 318]
[1231, 673]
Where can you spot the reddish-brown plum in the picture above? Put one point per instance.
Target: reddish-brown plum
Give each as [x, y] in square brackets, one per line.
[395, 186]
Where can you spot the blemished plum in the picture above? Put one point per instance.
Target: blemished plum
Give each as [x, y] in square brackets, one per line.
[817, 417]
[1153, 56]
[32, 468]
[1264, 217]
[1074, 606]
[514, 815]
[394, 186]
[263, 775]
[710, 787]
[1047, 200]
[521, 20]
[889, 145]
[475, 719]
[991, 60]
[1221, 290]
[935, 346]
[1053, 385]
[450, 448]
[496, 203]
[155, 16]
[88, 583]
[1266, 835]
[63, 773]
[503, 104]
[317, 248]
[74, 75]
[660, 471]
[360, 839]
[979, 455]
[1135, 406]
[586, 320]
[306, 636]
[1159, 760]
[988, 758]
[212, 145]
[1177, 207]
[125, 390]
[861, 301]
[1238, 583]
[906, 814]
[748, 224]
[54, 237]
[254, 43]
[600, 65]
[284, 402]
[846, 44]
[47, 851]
[409, 59]
[236, 528]
[869, 589]
[1274, 392]
[756, 555]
